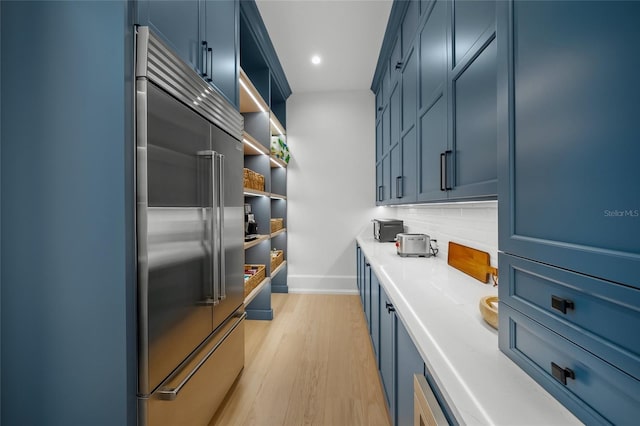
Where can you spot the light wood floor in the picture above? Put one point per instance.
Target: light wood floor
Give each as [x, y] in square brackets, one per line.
[312, 365]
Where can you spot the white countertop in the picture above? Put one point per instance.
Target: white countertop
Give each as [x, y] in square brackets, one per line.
[439, 307]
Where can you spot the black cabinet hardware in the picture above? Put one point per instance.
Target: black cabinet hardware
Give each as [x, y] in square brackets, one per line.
[399, 65]
[562, 374]
[560, 304]
[205, 59]
[445, 185]
[389, 307]
[399, 193]
[210, 54]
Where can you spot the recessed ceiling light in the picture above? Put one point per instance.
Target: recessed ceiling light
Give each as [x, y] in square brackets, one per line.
[315, 60]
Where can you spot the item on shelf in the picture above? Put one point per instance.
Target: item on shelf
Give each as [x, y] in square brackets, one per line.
[280, 149]
[277, 257]
[253, 180]
[253, 275]
[277, 223]
[250, 225]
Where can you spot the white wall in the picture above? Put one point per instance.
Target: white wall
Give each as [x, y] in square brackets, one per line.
[331, 194]
[330, 186]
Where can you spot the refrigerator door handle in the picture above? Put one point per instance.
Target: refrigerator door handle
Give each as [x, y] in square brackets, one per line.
[215, 229]
[221, 249]
[211, 297]
[170, 394]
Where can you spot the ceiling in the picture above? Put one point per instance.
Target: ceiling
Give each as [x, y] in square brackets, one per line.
[346, 34]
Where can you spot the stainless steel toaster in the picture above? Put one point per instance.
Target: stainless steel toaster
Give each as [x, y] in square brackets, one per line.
[413, 245]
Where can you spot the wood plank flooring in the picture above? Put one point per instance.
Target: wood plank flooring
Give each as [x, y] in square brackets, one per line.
[312, 365]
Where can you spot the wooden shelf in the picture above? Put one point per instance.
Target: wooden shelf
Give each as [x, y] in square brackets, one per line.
[278, 196]
[255, 193]
[276, 162]
[257, 241]
[278, 269]
[256, 291]
[278, 232]
[252, 146]
[250, 98]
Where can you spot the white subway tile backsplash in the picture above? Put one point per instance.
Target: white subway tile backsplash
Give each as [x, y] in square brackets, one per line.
[472, 224]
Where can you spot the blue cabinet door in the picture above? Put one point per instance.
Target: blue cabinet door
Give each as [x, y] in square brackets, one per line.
[432, 103]
[387, 349]
[470, 20]
[568, 142]
[178, 24]
[222, 37]
[367, 293]
[375, 317]
[358, 271]
[408, 362]
[409, 88]
[409, 26]
[395, 159]
[474, 122]
[379, 138]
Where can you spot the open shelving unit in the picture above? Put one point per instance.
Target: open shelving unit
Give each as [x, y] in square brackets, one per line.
[263, 94]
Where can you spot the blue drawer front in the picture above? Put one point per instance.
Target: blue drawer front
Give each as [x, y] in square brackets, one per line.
[598, 394]
[600, 316]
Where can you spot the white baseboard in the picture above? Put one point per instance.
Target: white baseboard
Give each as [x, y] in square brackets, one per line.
[322, 284]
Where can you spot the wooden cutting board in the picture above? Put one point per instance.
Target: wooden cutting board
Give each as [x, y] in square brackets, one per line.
[471, 261]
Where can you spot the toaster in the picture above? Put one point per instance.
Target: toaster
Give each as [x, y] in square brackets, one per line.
[387, 229]
[413, 245]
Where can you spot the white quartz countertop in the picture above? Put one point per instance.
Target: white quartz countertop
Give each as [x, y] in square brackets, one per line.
[439, 307]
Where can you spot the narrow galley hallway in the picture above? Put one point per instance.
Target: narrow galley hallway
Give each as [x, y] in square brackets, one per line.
[312, 365]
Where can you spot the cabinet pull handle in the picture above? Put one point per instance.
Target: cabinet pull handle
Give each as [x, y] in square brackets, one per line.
[444, 171]
[399, 185]
[380, 193]
[399, 65]
[389, 307]
[205, 58]
[562, 374]
[560, 304]
[210, 54]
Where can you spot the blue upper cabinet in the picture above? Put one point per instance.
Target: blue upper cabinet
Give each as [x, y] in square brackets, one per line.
[472, 19]
[204, 33]
[221, 36]
[568, 136]
[470, 169]
[442, 56]
[474, 144]
[178, 24]
[432, 105]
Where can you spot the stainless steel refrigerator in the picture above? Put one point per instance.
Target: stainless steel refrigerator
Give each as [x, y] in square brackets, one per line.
[190, 254]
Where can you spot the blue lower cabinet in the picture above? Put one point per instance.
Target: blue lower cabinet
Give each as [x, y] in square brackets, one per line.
[375, 317]
[397, 357]
[600, 316]
[387, 360]
[408, 362]
[367, 294]
[594, 390]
